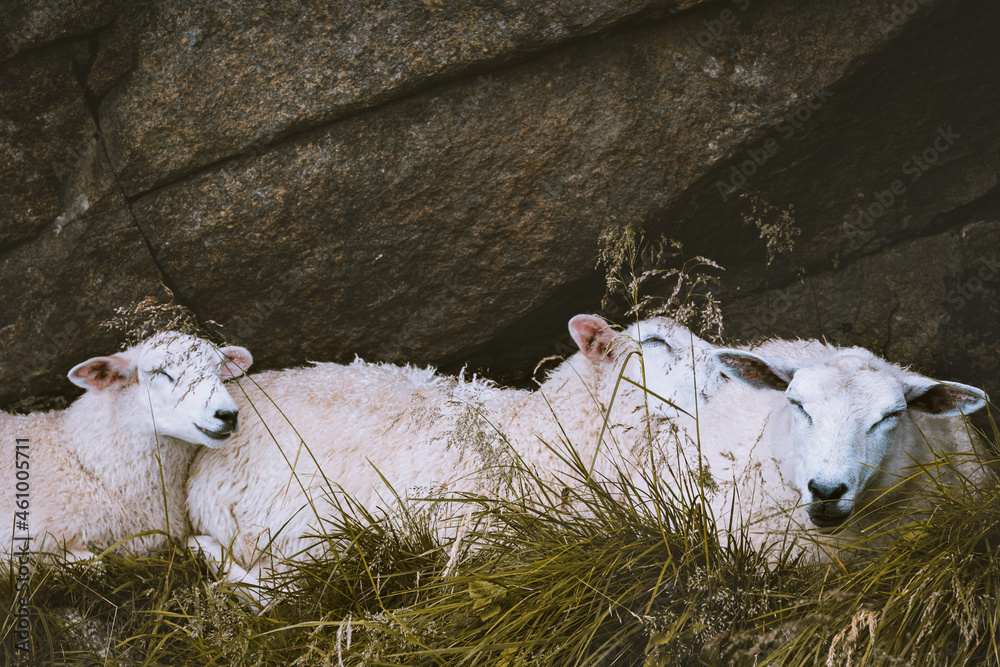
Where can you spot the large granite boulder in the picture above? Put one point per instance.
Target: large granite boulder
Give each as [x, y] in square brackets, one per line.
[426, 183]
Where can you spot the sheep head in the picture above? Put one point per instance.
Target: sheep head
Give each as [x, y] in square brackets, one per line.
[846, 415]
[179, 379]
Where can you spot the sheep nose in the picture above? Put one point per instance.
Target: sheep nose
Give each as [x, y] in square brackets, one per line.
[826, 492]
[228, 417]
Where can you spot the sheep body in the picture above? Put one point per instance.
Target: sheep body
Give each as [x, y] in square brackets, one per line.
[426, 433]
[422, 432]
[78, 497]
[113, 464]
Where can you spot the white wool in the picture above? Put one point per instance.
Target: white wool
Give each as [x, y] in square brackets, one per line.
[98, 472]
[423, 432]
[331, 428]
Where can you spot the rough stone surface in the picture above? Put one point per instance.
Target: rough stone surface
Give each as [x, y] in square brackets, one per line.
[436, 218]
[70, 253]
[58, 292]
[379, 182]
[211, 81]
[47, 135]
[930, 302]
[897, 150]
[31, 23]
[894, 182]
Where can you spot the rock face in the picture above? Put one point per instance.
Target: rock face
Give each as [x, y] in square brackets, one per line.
[211, 81]
[425, 182]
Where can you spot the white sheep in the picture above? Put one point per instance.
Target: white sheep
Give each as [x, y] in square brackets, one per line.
[808, 436]
[775, 477]
[113, 464]
[344, 427]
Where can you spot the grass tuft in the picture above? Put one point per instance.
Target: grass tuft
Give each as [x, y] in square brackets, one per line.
[656, 278]
[614, 572]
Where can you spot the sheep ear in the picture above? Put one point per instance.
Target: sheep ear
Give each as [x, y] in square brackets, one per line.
[754, 370]
[100, 373]
[593, 336]
[943, 400]
[236, 361]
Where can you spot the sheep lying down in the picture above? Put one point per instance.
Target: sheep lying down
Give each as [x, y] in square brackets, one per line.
[97, 473]
[309, 431]
[832, 441]
[794, 436]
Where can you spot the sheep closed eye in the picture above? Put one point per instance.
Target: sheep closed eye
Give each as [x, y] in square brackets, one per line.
[798, 407]
[159, 371]
[887, 420]
[654, 340]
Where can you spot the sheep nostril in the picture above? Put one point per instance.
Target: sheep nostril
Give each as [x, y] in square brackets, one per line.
[827, 492]
[228, 417]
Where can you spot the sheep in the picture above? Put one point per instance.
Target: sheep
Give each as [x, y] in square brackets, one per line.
[757, 469]
[261, 495]
[113, 464]
[422, 430]
[835, 442]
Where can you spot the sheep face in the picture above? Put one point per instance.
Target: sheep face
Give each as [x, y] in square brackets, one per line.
[846, 415]
[673, 364]
[179, 383]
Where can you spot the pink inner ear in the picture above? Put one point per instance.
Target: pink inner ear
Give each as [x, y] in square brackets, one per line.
[593, 336]
[941, 399]
[101, 372]
[237, 361]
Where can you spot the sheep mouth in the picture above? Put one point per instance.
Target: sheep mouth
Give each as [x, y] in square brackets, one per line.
[828, 519]
[215, 435]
